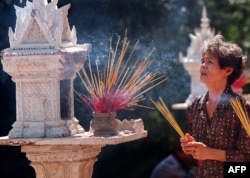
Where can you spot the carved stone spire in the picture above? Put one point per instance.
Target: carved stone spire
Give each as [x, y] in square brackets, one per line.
[200, 35]
[206, 32]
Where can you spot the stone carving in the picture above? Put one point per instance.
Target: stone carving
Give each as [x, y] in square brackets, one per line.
[43, 59]
[133, 125]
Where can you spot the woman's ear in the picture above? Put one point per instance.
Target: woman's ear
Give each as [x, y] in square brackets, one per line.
[229, 71]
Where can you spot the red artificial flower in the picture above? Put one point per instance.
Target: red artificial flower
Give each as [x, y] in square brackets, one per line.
[240, 82]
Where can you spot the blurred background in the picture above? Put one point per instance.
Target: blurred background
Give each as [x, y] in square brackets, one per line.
[161, 24]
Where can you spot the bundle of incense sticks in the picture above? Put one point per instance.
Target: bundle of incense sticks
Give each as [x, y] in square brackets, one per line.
[242, 114]
[168, 116]
[119, 86]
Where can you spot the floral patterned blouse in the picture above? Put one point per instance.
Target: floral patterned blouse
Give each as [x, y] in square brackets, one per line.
[222, 131]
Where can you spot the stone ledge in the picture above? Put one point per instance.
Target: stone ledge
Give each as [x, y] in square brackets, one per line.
[86, 138]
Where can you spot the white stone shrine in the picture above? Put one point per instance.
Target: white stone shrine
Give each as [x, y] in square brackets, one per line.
[43, 59]
[192, 61]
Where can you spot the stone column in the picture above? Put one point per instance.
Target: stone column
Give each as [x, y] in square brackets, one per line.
[62, 161]
[197, 88]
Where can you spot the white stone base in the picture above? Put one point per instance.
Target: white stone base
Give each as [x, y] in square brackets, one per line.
[50, 129]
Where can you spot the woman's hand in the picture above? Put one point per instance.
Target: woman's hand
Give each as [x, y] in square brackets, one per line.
[200, 151]
[197, 149]
[185, 144]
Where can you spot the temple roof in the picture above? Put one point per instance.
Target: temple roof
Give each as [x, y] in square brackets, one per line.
[42, 26]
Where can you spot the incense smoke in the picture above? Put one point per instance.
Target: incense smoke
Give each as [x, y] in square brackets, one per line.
[166, 33]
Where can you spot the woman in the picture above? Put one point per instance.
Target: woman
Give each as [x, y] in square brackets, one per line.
[217, 133]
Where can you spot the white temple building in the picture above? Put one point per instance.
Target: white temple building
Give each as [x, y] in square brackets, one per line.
[192, 61]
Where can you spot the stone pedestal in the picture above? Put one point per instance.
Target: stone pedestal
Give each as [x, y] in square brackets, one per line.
[67, 161]
[67, 157]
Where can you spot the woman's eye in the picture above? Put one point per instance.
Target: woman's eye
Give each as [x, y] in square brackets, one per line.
[209, 62]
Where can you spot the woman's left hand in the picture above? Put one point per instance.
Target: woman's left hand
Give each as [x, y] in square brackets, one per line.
[200, 150]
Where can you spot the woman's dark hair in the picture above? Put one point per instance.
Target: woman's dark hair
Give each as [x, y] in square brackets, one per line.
[229, 55]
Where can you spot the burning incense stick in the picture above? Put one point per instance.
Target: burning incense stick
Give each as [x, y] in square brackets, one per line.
[168, 116]
[242, 114]
[119, 86]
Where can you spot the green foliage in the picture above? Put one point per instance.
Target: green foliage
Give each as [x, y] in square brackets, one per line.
[230, 18]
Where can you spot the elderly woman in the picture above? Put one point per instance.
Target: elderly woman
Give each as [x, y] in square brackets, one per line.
[216, 131]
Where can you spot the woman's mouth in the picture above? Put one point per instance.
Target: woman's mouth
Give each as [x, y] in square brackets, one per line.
[203, 73]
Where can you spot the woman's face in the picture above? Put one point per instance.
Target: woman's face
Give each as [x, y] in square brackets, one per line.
[210, 71]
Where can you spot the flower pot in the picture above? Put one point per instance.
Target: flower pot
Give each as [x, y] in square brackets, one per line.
[104, 124]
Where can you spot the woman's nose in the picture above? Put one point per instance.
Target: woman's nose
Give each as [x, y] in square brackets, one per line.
[203, 65]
